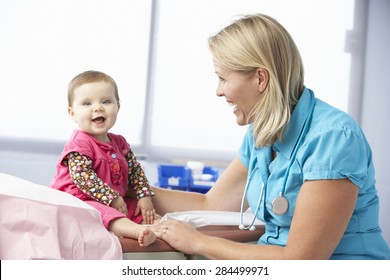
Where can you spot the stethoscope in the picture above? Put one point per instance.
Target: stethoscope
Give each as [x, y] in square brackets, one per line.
[280, 203]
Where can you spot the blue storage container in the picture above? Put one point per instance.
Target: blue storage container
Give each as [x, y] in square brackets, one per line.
[207, 180]
[175, 177]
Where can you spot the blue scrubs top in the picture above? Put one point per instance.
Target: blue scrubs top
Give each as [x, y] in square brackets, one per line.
[334, 147]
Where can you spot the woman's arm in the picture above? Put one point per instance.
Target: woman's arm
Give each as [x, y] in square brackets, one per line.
[322, 213]
[225, 195]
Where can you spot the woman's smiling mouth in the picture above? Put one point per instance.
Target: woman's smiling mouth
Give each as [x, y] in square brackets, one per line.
[231, 104]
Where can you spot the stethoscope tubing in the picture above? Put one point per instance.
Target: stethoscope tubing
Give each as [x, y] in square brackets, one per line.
[281, 194]
[250, 227]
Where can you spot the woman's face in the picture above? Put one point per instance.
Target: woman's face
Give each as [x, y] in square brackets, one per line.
[241, 91]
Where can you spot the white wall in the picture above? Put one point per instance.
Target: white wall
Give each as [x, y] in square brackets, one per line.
[375, 115]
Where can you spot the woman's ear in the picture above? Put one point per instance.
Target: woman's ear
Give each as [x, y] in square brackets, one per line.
[263, 78]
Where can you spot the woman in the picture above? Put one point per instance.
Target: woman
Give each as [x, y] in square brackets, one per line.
[304, 167]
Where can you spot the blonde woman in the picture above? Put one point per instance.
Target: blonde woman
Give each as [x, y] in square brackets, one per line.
[304, 167]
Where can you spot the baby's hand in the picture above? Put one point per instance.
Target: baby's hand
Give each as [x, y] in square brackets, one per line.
[145, 206]
[119, 204]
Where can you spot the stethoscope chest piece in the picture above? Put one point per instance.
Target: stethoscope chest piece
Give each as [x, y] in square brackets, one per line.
[280, 205]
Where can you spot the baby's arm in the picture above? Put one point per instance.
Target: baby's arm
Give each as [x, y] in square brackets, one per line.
[140, 186]
[145, 206]
[119, 204]
[86, 179]
[137, 178]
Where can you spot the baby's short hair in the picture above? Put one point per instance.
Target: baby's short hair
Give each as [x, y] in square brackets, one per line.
[90, 76]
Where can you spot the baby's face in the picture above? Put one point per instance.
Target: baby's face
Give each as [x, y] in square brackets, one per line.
[95, 109]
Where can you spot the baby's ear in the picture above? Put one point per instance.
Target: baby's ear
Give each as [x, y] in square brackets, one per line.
[71, 113]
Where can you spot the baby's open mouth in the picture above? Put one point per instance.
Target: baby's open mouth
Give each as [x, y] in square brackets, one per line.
[99, 120]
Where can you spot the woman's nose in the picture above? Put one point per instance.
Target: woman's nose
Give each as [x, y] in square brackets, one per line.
[219, 92]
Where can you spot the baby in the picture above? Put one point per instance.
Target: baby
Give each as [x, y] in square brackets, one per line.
[99, 167]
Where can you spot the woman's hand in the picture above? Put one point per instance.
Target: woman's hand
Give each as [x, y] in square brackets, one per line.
[146, 208]
[119, 204]
[180, 236]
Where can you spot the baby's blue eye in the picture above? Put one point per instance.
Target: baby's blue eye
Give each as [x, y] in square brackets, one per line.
[86, 103]
[107, 101]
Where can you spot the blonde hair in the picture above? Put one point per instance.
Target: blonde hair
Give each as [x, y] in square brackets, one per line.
[259, 41]
[90, 76]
